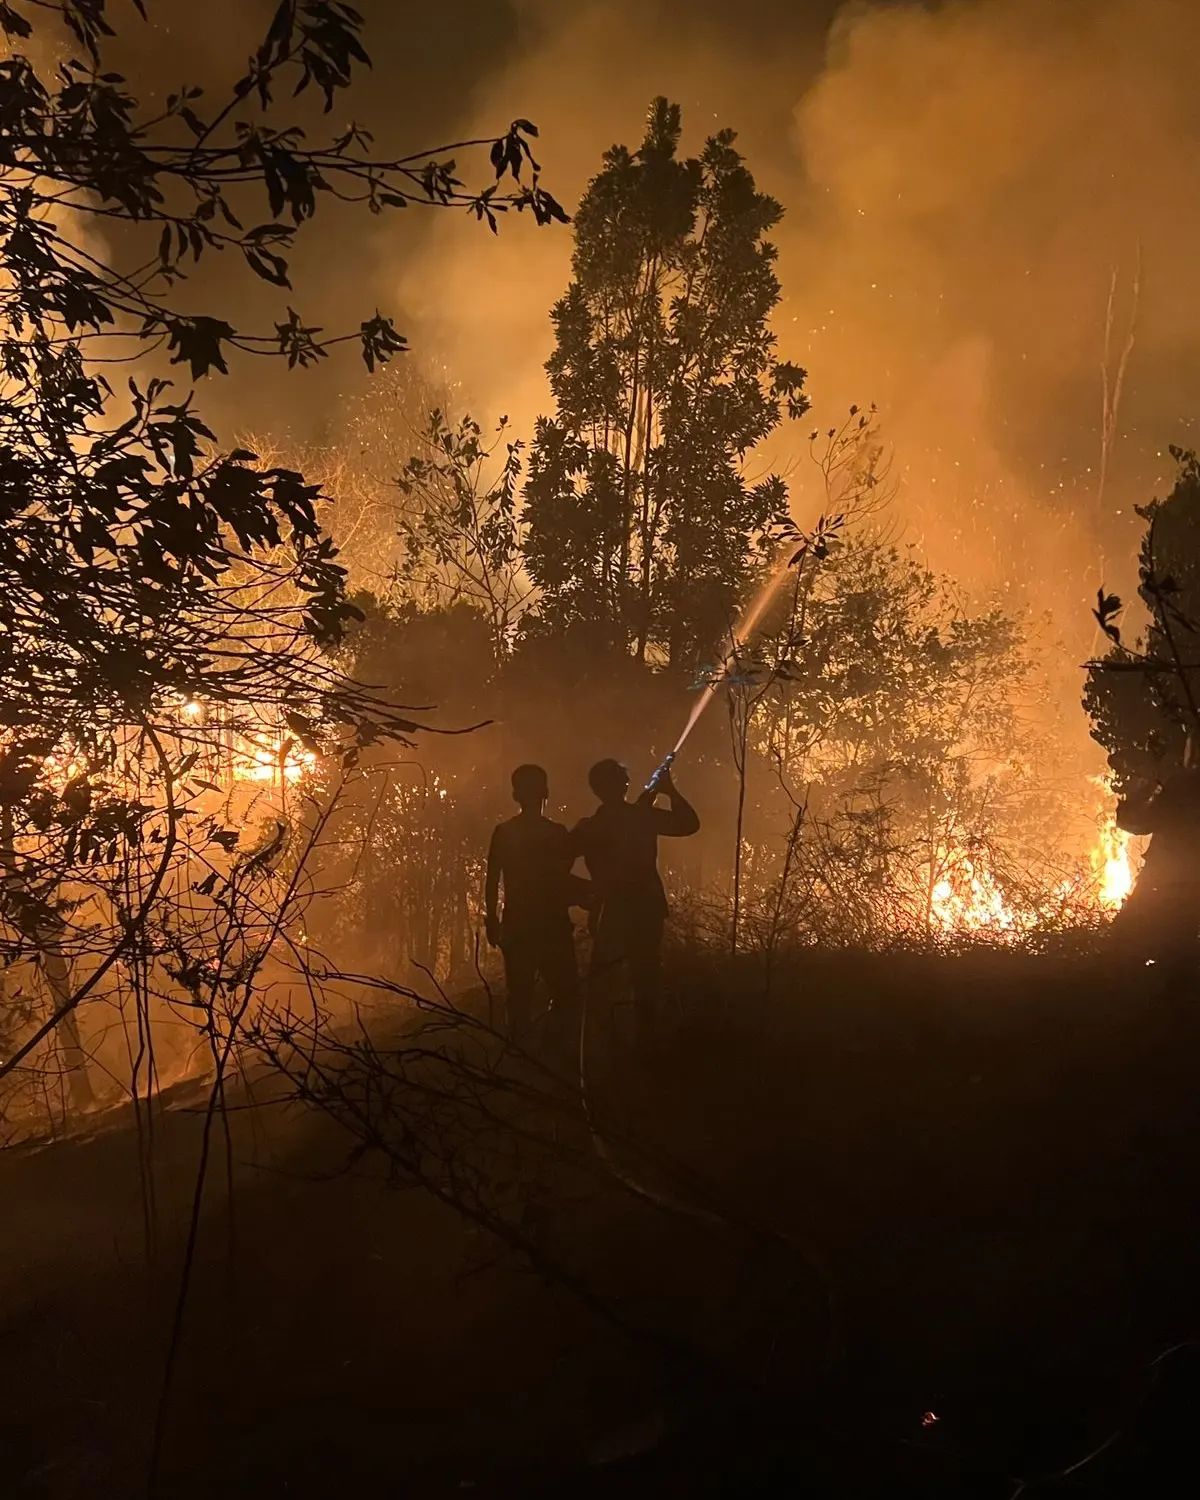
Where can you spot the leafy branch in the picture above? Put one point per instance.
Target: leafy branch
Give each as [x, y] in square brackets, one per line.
[194, 180]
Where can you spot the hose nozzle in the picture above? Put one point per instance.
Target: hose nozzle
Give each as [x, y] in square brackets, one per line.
[660, 771]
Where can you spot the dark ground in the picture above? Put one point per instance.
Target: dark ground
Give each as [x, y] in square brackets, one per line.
[992, 1158]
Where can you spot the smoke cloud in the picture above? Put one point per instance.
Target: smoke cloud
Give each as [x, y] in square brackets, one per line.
[977, 174]
[962, 182]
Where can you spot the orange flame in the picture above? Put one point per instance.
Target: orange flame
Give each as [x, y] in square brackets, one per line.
[1113, 865]
[263, 759]
[967, 899]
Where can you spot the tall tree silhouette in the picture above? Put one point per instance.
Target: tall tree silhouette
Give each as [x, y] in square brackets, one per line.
[641, 518]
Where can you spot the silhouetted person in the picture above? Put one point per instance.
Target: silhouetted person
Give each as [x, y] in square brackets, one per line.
[531, 857]
[1160, 922]
[619, 845]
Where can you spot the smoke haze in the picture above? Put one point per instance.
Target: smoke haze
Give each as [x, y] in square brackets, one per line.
[961, 184]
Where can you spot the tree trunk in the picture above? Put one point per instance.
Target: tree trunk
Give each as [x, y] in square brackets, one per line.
[741, 734]
[780, 897]
[75, 1060]
[648, 529]
[627, 507]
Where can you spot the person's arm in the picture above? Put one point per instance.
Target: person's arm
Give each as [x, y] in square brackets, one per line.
[491, 889]
[679, 820]
[579, 845]
[578, 890]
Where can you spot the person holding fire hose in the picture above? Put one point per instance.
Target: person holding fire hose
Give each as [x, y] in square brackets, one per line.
[531, 856]
[619, 845]
[1160, 922]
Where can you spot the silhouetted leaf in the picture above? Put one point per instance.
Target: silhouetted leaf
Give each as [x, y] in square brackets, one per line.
[197, 342]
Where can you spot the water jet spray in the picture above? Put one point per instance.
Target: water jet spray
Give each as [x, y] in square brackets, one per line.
[739, 635]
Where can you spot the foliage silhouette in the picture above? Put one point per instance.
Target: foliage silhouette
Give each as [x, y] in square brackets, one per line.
[461, 535]
[167, 610]
[642, 519]
[1143, 695]
[193, 178]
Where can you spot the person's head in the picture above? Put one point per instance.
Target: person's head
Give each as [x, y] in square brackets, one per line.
[530, 788]
[609, 780]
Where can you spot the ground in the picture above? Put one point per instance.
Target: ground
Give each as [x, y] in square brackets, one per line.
[940, 1242]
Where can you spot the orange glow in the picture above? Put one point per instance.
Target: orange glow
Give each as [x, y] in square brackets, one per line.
[967, 900]
[1112, 865]
[64, 766]
[262, 759]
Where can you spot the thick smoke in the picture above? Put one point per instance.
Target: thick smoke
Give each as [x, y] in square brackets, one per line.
[961, 183]
[976, 174]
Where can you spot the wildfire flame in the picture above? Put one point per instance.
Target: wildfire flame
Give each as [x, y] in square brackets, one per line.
[260, 755]
[271, 760]
[1113, 865]
[967, 898]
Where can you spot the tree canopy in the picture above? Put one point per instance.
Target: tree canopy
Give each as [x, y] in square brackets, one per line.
[642, 521]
